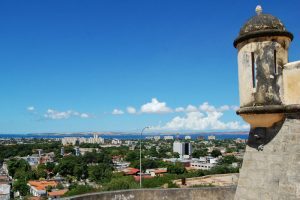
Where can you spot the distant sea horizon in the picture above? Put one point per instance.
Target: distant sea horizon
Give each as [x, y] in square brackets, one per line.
[122, 136]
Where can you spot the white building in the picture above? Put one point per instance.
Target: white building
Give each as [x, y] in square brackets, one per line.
[4, 191]
[239, 140]
[168, 137]
[129, 142]
[95, 140]
[183, 148]
[38, 188]
[156, 138]
[90, 150]
[77, 151]
[188, 137]
[211, 137]
[120, 165]
[156, 171]
[32, 160]
[116, 141]
[91, 140]
[69, 140]
[202, 165]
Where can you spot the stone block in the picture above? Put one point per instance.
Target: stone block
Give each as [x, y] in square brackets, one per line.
[273, 173]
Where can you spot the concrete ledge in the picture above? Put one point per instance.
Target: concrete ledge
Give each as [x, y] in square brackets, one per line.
[205, 193]
[262, 33]
[269, 109]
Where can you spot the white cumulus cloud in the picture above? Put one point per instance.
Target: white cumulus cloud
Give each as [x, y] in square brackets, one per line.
[84, 115]
[224, 108]
[208, 117]
[206, 107]
[179, 109]
[117, 112]
[131, 110]
[191, 108]
[155, 107]
[54, 114]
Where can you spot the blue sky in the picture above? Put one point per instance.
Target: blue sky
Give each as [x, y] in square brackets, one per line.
[78, 65]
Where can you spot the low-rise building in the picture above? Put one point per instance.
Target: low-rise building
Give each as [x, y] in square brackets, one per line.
[46, 158]
[5, 191]
[239, 140]
[187, 137]
[116, 141]
[156, 138]
[38, 188]
[5, 184]
[211, 137]
[120, 165]
[90, 150]
[168, 137]
[132, 147]
[200, 138]
[202, 165]
[56, 194]
[185, 162]
[130, 171]
[156, 171]
[32, 160]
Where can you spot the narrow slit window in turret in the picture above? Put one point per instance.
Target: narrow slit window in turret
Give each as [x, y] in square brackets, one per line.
[253, 64]
[275, 65]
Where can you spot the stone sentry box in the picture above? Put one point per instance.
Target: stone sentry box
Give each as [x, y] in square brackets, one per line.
[269, 88]
[268, 84]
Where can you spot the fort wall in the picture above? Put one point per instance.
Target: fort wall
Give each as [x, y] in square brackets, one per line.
[205, 193]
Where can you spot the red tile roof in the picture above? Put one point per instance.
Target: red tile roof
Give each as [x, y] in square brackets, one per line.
[160, 171]
[57, 193]
[131, 171]
[41, 185]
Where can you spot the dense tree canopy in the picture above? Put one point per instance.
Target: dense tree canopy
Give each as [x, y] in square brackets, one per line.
[177, 168]
[215, 153]
[200, 153]
[100, 173]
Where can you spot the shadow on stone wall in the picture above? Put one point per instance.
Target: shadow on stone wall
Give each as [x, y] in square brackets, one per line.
[205, 193]
[260, 136]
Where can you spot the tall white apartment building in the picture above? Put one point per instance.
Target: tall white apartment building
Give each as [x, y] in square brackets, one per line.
[183, 148]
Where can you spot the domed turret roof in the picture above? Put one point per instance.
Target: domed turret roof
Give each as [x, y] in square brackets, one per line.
[262, 25]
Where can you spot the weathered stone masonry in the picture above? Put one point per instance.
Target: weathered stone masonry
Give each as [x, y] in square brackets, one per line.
[269, 89]
[211, 193]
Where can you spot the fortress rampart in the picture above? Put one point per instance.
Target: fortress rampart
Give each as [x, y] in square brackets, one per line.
[204, 193]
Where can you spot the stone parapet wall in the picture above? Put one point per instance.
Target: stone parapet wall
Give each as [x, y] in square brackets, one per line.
[205, 193]
[272, 172]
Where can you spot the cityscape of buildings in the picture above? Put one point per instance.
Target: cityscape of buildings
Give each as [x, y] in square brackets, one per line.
[120, 53]
[156, 149]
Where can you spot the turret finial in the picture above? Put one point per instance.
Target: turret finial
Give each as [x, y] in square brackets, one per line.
[258, 9]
